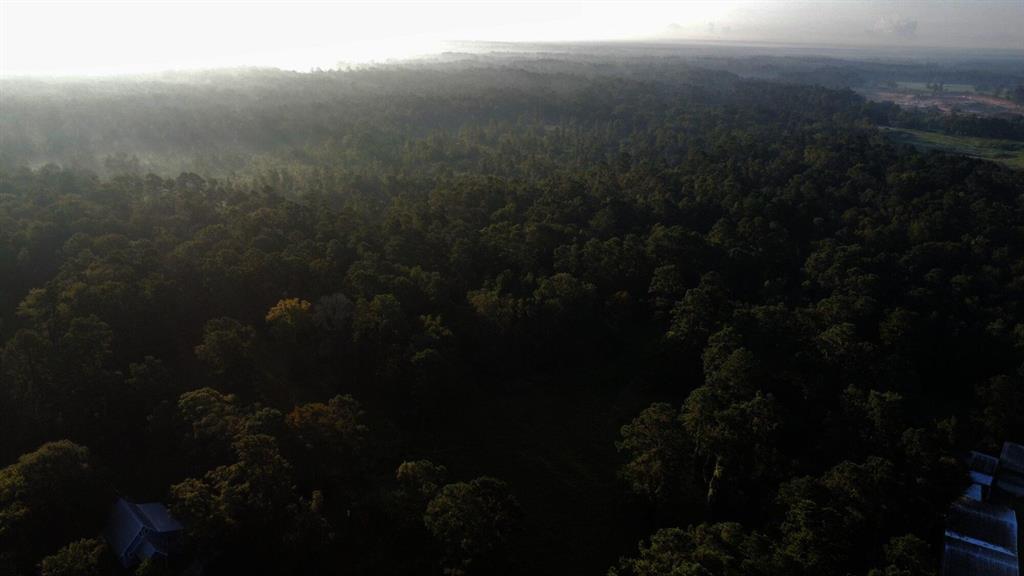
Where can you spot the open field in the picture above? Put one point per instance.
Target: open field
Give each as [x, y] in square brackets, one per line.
[1008, 152]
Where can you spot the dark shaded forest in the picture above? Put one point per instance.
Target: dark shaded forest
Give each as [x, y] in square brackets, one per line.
[497, 318]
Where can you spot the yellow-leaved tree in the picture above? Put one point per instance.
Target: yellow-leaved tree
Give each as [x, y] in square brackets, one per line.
[290, 318]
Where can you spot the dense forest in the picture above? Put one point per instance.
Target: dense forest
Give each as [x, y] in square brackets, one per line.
[528, 316]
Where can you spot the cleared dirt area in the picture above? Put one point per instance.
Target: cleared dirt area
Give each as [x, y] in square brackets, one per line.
[968, 102]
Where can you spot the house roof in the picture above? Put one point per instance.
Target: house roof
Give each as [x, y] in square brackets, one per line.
[964, 559]
[1012, 457]
[159, 518]
[981, 538]
[129, 526]
[974, 492]
[980, 478]
[985, 524]
[1011, 483]
[983, 463]
[122, 527]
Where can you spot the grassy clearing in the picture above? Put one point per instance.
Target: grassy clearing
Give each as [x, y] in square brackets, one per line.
[1009, 152]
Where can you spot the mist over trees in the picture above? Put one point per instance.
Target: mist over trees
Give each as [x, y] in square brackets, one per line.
[497, 317]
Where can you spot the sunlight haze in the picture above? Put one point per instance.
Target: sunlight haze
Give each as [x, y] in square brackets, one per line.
[96, 38]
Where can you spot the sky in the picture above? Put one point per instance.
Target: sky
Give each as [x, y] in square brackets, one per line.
[96, 38]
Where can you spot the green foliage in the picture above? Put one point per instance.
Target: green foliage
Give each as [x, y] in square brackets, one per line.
[245, 497]
[791, 323]
[656, 446]
[1009, 152]
[80, 558]
[228, 347]
[56, 481]
[705, 550]
[474, 522]
[151, 567]
[696, 315]
[1000, 402]
[907, 556]
[290, 318]
[828, 519]
[421, 478]
[329, 439]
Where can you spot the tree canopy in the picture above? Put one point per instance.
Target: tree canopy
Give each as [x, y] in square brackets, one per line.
[511, 315]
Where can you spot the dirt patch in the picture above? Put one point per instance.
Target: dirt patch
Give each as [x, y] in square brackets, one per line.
[981, 104]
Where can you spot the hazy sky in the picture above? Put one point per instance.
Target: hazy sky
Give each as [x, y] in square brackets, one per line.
[42, 37]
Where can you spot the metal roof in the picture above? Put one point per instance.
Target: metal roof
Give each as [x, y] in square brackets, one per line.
[974, 492]
[964, 559]
[983, 463]
[159, 517]
[1010, 483]
[1012, 457]
[979, 478]
[990, 525]
[138, 530]
[981, 536]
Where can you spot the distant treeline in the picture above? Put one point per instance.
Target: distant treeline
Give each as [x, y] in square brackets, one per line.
[224, 123]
